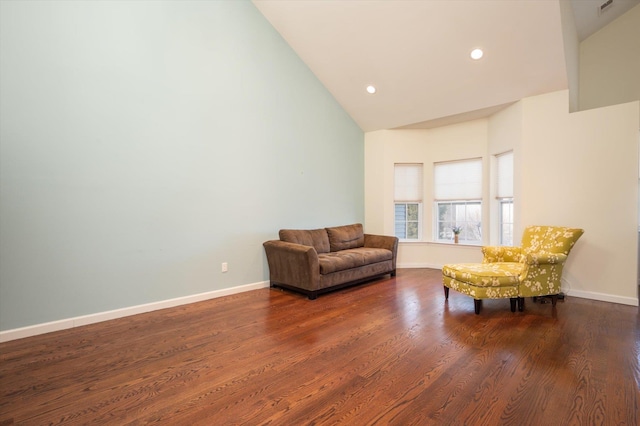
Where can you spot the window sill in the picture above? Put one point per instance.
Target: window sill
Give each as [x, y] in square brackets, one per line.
[440, 243]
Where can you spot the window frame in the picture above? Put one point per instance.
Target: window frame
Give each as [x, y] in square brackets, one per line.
[408, 190]
[406, 221]
[502, 223]
[458, 185]
[466, 223]
[504, 195]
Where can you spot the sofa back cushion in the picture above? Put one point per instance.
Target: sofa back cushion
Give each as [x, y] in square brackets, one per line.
[316, 238]
[346, 237]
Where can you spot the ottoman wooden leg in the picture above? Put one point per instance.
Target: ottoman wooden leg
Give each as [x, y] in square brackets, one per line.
[446, 293]
[513, 301]
[477, 304]
[521, 304]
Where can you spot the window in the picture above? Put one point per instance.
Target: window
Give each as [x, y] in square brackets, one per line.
[408, 201]
[407, 224]
[506, 222]
[504, 194]
[467, 215]
[458, 200]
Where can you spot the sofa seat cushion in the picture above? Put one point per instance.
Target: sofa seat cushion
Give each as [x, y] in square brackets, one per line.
[352, 258]
[500, 274]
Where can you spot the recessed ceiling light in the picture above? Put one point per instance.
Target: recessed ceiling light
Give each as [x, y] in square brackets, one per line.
[476, 54]
[371, 89]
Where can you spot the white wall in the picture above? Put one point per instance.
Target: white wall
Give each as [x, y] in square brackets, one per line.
[578, 170]
[384, 148]
[610, 63]
[505, 134]
[581, 170]
[571, 46]
[145, 143]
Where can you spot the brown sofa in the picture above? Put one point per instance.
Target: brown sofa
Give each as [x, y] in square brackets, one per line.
[320, 260]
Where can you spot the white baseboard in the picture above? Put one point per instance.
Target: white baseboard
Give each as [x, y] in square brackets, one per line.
[603, 297]
[64, 324]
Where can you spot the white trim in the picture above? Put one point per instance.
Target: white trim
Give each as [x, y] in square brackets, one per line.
[633, 301]
[34, 330]
[418, 265]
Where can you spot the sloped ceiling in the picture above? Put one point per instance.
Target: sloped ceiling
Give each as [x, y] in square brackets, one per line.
[416, 53]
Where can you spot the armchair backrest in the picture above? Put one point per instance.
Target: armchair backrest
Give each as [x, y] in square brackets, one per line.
[550, 239]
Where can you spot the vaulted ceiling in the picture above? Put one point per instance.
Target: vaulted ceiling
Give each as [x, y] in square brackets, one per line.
[416, 53]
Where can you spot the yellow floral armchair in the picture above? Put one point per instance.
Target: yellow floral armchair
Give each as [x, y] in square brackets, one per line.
[531, 270]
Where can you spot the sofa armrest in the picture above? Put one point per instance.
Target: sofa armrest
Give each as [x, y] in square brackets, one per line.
[544, 258]
[494, 254]
[383, 241]
[293, 264]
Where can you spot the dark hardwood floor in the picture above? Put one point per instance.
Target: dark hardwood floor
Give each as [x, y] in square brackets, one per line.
[389, 352]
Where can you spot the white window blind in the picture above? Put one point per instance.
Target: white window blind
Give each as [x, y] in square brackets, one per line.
[458, 180]
[505, 175]
[408, 182]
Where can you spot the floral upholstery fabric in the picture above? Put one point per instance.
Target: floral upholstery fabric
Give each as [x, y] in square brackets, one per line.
[534, 269]
[501, 254]
[550, 239]
[485, 274]
[478, 292]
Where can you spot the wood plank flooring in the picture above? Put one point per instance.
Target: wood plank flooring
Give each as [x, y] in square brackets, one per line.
[391, 352]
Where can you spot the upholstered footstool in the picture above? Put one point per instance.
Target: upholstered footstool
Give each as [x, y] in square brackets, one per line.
[485, 281]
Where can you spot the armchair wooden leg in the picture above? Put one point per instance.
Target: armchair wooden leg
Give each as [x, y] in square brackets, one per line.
[446, 293]
[477, 304]
[521, 304]
[554, 299]
[513, 303]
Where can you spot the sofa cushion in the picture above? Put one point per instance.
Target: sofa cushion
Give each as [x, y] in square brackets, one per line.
[316, 238]
[338, 261]
[346, 237]
[497, 274]
[352, 258]
[371, 254]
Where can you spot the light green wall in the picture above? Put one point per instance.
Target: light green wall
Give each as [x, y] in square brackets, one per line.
[145, 143]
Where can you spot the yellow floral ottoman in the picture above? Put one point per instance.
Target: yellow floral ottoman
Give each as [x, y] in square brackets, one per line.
[485, 281]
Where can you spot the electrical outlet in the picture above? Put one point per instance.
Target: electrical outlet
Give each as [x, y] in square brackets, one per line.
[225, 267]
